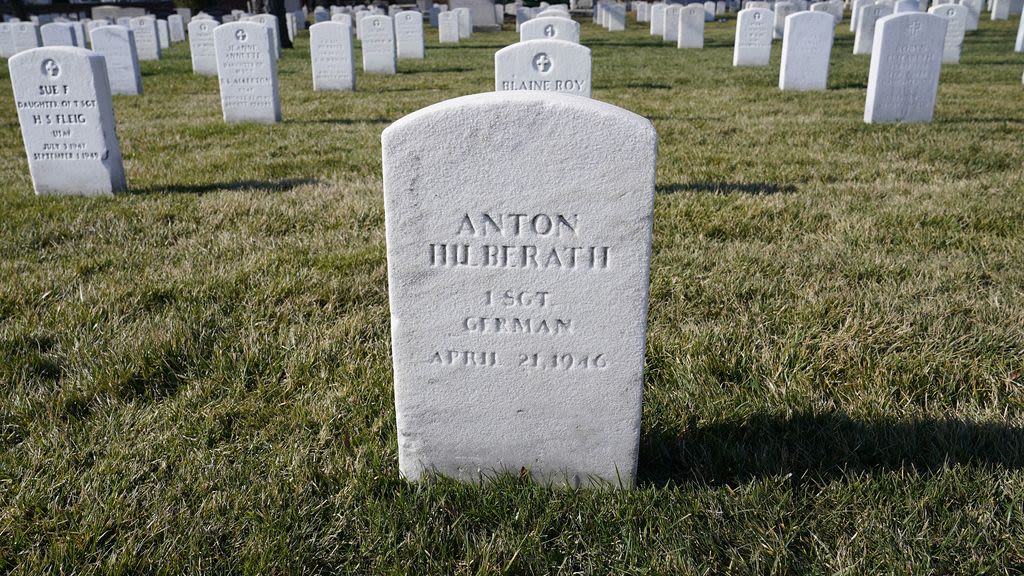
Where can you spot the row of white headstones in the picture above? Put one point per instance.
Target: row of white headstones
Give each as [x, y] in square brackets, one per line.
[64, 120]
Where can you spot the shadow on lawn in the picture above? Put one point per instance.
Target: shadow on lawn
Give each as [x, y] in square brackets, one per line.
[253, 185]
[752, 188]
[814, 447]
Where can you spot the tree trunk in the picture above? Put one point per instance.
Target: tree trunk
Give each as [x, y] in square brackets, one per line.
[276, 7]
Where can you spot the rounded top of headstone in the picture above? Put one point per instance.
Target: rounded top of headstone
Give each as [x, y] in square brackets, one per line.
[825, 18]
[555, 102]
[54, 58]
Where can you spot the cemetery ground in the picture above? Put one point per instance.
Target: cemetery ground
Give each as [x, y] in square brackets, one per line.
[196, 376]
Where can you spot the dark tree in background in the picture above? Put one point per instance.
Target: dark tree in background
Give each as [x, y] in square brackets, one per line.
[276, 7]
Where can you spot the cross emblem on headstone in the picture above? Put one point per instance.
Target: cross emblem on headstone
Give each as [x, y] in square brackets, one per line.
[241, 35]
[51, 69]
[549, 31]
[915, 27]
[376, 24]
[542, 63]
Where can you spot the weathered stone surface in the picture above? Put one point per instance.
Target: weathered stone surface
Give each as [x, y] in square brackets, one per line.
[753, 37]
[378, 45]
[691, 27]
[550, 27]
[956, 28]
[806, 49]
[409, 35]
[147, 40]
[905, 63]
[519, 296]
[334, 65]
[869, 15]
[200, 42]
[116, 45]
[67, 121]
[247, 71]
[176, 26]
[57, 34]
[547, 65]
[448, 27]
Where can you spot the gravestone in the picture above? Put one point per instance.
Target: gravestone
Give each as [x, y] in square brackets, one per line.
[1000, 10]
[409, 35]
[200, 43]
[448, 27]
[465, 22]
[247, 71]
[973, 14]
[334, 64]
[378, 45]
[116, 45]
[67, 121]
[905, 63]
[147, 41]
[616, 18]
[176, 26]
[57, 34]
[320, 14]
[753, 37]
[833, 8]
[1019, 44]
[904, 6]
[671, 31]
[709, 11]
[480, 13]
[26, 36]
[643, 11]
[956, 24]
[522, 17]
[94, 24]
[691, 27]
[186, 15]
[806, 49]
[782, 10]
[518, 294]
[270, 21]
[80, 40]
[345, 19]
[864, 40]
[855, 12]
[163, 34]
[7, 48]
[547, 65]
[658, 19]
[550, 28]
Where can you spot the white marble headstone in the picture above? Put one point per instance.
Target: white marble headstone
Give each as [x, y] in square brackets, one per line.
[855, 12]
[518, 294]
[163, 34]
[956, 27]
[247, 71]
[658, 19]
[973, 14]
[544, 65]
[869, 15]
[753, 37]
[553, 28]
[616, 17]
[409, 35]
[26, 36]
[270, 21]
[176, 26]
[905, 63]
[779, 14]
[448, 27]
[67, 121]
[334, 65]
[670, 33]
[465, 22]
[378, 45]
[58, 34]
[147, 40]
[691, 27]
[116, 45]
[200, 42]
[806, 49]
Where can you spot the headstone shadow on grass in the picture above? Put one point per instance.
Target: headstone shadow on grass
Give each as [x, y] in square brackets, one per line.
[817, 447]
[268, 186]
[752, 188]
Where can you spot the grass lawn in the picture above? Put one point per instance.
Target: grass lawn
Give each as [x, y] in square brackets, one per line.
[196, 378]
